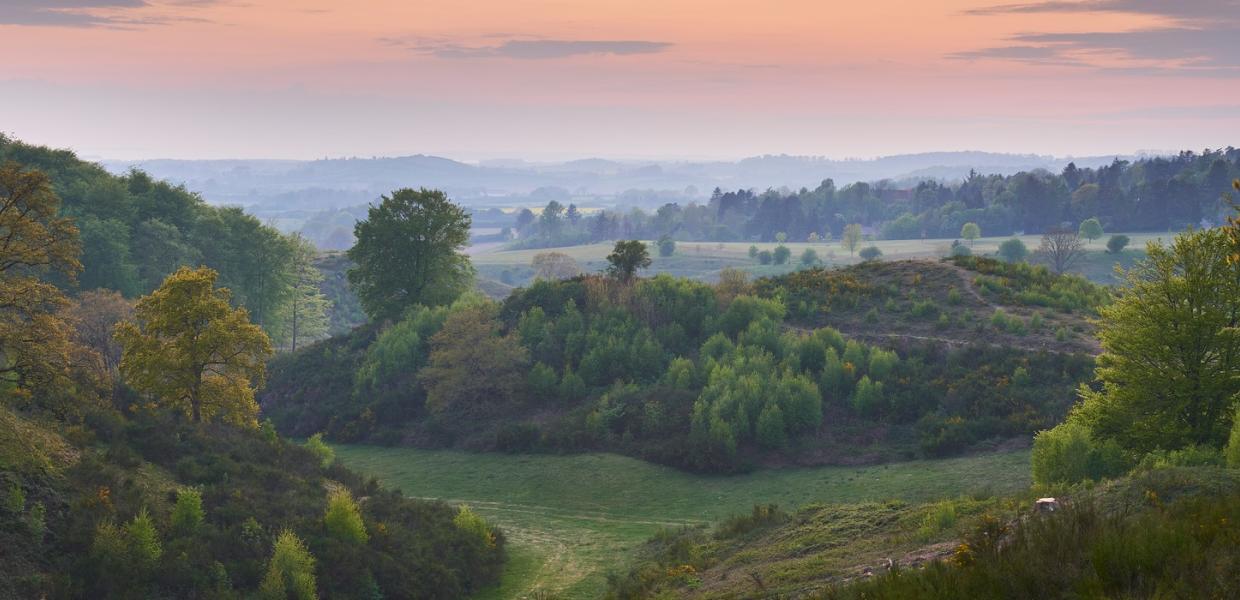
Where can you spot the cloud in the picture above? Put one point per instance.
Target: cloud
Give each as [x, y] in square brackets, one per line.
[1201, 38]
[86, 13]
[533, 49]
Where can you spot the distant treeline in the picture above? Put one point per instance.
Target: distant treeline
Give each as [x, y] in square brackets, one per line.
[1154, 194]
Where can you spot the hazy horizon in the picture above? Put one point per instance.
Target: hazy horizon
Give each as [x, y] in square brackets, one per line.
[541, 80]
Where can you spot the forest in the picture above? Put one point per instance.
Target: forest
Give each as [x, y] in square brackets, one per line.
[1148, 194]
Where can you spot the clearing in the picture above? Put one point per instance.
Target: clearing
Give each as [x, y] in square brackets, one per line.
[570, 520]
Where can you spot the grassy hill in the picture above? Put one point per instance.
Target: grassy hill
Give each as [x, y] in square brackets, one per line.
[572, 520]
[1164, 533]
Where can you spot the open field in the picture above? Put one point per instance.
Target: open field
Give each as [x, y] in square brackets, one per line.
[572, 519]
[704, 260]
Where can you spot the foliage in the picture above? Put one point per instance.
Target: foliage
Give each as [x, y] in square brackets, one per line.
[1068, 453]
[472, 369]
[1013, 250]
[667, 246]
[320, 449]
[1117, 243]
[303, 318]
[870, 253]
[554, 265]
[628, 257]
[1170, 349]
[851, 237]
[1060, 248]
[34, 344]
[408, 252]
[970, 231]
[190, 351]
[809, 257]
[187, 514]
[1090, 229]
[290, 572]
[468, 521]
[1231, 452]
[781, 254]
[343, 519]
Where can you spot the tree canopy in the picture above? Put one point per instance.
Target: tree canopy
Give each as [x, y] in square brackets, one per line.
[626, 258]
[189, 350]
[408, 252]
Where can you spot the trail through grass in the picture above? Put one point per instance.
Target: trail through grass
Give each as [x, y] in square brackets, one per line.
[572, 519]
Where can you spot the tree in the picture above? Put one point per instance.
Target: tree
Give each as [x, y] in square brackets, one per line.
[870, 253]
[187, 514]
[472, 368]
[1090, 229]
[408, 252]
[554, 265]
[851, 237]
[765, 257]
[970, 232]
[753, 251]
[809, 258]
[305, 313]
[781, 254]
[1013, 250]
[1117, 243]
[781, 237]
[1061, 248]
[813, 237]
[1170, 367]
[343, 519]
[667, 246]
[627, 258]
[290, 574]
[94, 315]
[34, 340]
[190, 351]
[733, 282]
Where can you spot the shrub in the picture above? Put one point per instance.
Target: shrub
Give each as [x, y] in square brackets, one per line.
[326, 455]
[290, 572]
[343, 519]
[868, 398]
[1232, 452]
[765, 257]
[1117, 243]
[1062, 334]
[781, 254]
[809, 258]
[959, 249]
[771, 431]
[870, 253]
[753, 252]
[667, 246]
[1069, 454]
[1013, 250]
[871, 316]
[1035, 322]
[953, 296]
[187, 515]
[1191, 456]
[469, 521]
[925, 309]
[143, 539]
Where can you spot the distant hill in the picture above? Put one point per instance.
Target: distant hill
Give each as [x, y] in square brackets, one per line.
[341, 182]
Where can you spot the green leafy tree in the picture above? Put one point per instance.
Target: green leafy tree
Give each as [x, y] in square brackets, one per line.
[290, 573]
[143, 539]
[870, 253]
[319, 448]
[626, 258]
[1117, 243]
[868, 397]
[473, 369]
[781, 254]
[1090, 229]
[304, 316]
[1069, 454]
[851, 238]
[771, 431]
[753, 251]
[187, 514]
[809, 258]
[667, 246]
[1013, 250]
[765, 257]
[343, 519]
[1171, 349]
[189, 350]
[781, 237]
[970, 231]
[408, 252]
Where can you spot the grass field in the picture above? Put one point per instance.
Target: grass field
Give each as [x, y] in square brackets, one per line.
[704, 260]
[572, 519]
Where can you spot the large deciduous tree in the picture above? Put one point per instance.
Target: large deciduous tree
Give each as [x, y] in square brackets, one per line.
[626, 258]
[1170, 370]
[189, 350]
[1060, 248]
[473, 369]
[408, 252]
[34, 242]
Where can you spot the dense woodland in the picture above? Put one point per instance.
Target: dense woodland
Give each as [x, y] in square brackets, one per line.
[1151, 194]
[132, 460]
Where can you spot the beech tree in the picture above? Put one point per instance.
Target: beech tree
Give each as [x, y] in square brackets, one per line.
[189, 350]
[408, 252]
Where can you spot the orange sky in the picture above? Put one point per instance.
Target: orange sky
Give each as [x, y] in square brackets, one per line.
[673, 78]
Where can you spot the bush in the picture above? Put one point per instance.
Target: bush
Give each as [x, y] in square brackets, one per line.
[959, 249]
[781, 254]
[326, 455]
[1191, 456]
[870, 253]
[1232, 452]
[187, 515]
[343, 519]
[1013, 250]
[1117, 243]
[1068, 454]
[290, 572]
[765, 257]
[809, 258]
[953, 296]
[667, 246]
[753, 252]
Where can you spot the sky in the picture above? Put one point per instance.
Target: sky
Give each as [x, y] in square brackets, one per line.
[672, 79]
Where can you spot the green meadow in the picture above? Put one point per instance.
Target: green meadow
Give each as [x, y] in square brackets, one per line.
[570, 520]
